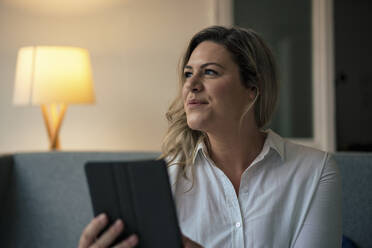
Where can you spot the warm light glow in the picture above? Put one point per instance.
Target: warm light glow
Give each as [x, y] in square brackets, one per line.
[65, 7]
[46, 75]
[53, 77]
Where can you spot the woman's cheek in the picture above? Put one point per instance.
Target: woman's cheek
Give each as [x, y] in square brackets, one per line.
[220, 91]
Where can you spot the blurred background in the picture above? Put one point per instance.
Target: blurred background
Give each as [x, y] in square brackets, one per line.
[322, 50]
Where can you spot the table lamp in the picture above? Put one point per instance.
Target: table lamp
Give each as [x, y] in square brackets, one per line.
[53, 77]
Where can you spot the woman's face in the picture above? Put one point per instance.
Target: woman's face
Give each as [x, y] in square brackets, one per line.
[213, 94]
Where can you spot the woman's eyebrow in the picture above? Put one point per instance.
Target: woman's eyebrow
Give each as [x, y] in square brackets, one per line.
[204, 65]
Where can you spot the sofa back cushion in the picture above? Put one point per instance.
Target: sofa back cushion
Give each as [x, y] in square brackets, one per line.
[356, 172]
[44, 198]
[47, 201]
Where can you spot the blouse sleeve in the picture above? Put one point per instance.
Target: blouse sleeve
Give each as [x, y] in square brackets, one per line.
[323, 223]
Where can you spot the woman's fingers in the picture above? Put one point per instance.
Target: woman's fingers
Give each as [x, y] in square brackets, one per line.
[109, 236]
[188, 243]
[89, 235]
[130, 242]
[92, 230]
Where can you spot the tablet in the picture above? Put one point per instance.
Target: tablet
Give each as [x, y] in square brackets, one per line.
[139, 193]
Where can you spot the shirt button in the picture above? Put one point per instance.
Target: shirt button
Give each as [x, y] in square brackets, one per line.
[237, 224]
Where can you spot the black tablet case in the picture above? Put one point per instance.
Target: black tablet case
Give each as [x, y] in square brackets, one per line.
[139, 193]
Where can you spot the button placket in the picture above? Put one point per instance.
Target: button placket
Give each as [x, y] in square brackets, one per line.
[234, 205]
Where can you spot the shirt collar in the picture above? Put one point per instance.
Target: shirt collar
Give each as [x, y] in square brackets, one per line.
[200, 146]
[273, 140]
[276, 142]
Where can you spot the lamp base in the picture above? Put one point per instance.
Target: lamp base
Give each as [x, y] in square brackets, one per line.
[53, 116]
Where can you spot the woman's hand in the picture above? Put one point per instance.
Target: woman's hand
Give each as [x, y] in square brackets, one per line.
[188, 243]
[88, 238]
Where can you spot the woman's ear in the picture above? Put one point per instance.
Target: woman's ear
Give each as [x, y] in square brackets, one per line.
[253, 93]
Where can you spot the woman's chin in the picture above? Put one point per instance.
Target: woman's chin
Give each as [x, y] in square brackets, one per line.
[198, 121]
[195, 125]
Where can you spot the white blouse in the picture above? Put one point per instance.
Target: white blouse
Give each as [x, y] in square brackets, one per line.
[290, 196]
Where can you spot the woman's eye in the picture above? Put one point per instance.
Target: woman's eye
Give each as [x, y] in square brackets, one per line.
[187, 74]
[210, 72]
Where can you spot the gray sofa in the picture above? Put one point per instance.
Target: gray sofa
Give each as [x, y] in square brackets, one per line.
[44, 199]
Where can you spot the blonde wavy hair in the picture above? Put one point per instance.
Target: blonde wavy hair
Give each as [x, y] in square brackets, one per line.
[257, 69]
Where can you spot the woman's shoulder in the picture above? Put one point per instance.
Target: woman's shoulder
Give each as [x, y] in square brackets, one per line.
[173, 172]
[300, 151]
[300, 155]
[174, 169]
[309, 158]
[303, 164]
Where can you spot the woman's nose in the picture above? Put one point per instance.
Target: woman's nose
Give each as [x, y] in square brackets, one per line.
[195, 84]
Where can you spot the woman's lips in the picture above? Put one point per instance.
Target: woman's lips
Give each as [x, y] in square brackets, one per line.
[196, 103]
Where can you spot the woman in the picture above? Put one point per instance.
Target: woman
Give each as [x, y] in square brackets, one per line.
[234, 184]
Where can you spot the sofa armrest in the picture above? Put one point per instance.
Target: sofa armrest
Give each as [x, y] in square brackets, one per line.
[6, 166]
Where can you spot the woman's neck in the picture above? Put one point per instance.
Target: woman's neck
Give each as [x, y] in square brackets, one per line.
[234, 151]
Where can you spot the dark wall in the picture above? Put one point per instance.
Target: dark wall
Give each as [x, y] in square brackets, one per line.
[353, 51]
[286, 26]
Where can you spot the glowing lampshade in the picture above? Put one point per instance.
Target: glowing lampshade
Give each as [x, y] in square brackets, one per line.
[53, 77]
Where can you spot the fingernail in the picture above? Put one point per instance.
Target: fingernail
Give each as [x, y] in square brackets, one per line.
[118, 223]
[133, 239]
[102, 217]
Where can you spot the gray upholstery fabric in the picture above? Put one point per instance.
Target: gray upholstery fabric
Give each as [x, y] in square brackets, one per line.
[47, 201]
[44, 199]
[356, 171]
